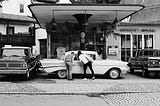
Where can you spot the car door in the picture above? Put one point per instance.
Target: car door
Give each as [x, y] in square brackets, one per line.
[77, 66]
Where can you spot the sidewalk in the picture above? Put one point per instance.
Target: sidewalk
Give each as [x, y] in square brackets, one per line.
[80, 87]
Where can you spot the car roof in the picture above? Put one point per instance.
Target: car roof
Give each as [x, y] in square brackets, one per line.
[83, 51]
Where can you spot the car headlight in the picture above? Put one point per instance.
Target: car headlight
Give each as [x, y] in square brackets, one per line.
[24, 64]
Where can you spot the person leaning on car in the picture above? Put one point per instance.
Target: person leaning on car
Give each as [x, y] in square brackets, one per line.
[69, 62]
[87, 62]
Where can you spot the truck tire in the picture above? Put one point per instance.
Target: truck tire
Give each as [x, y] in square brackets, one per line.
[145, 73]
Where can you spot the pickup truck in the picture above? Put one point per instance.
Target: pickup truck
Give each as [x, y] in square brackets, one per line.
[18, 61]
[147, 60]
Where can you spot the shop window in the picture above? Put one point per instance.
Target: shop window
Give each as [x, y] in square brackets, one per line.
[21, 8]
[10, 30]
[125, 47]
[148, 41]
[137, 41]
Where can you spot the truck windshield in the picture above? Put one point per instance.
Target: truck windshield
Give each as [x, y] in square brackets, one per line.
[15, 52]
[154, 53]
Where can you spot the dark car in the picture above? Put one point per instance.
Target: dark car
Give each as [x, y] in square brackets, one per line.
[147, 60]
[18, 61]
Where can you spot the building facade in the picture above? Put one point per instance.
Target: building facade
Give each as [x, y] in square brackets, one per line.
[16, 24]
[136, 36]
[66, 28]
[142, 29]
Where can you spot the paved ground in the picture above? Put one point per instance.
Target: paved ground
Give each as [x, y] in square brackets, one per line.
[133, 99]
[131, 91]
[79, 86]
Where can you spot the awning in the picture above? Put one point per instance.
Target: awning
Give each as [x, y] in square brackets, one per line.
[44, 13]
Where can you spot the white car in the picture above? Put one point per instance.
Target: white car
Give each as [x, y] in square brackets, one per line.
[112, 68]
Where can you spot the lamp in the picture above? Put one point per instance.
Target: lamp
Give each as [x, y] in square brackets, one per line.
[115, 22]
[53, 20]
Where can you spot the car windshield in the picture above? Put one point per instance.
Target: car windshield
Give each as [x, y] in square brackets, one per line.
[15, 52]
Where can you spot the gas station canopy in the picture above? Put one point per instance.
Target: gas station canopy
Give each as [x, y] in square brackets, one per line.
[44, 13]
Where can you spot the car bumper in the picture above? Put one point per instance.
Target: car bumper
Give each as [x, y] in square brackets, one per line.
[123, 74]
[153, 69]
[8, 72]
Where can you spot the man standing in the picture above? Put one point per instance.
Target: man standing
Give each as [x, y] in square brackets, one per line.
[69, 62]
[87, 62]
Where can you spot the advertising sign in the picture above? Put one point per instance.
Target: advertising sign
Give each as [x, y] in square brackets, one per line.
[112, 50]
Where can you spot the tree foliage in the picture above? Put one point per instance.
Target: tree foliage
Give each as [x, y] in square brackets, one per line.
[2, 0]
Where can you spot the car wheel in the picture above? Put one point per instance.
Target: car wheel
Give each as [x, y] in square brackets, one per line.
[114, 73]
[62, 74]
[145, 73]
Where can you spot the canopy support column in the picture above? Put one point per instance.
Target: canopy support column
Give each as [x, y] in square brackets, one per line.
[48, 45]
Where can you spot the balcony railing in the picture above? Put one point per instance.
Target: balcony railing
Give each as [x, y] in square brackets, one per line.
[18, 39]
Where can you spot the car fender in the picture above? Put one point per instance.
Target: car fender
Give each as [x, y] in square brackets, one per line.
[53, 69]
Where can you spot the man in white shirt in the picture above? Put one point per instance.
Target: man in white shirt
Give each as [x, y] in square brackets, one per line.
[69, 62]
[87, 62]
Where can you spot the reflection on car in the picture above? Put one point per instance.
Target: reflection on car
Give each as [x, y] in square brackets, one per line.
[112, 68]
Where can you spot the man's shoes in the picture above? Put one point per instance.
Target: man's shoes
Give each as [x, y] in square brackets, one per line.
[84, 78]
[93, 78]
[70, 79]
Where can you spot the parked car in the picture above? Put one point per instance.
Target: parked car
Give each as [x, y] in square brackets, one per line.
[146, 60]
[112, 68]
[18, 61]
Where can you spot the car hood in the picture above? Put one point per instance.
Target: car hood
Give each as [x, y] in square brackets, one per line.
[111, 62]
[12, 59]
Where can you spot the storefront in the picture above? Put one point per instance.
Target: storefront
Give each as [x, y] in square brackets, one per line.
[82, 26]
[138, 36]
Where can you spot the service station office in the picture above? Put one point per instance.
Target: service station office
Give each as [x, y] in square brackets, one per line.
[82, 27]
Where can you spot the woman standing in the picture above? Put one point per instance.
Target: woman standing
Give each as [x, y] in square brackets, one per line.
[87, 62]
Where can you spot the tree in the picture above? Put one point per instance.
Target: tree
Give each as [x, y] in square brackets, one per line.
[2, 0]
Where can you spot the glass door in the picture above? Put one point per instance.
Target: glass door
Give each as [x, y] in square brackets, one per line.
[125, 47]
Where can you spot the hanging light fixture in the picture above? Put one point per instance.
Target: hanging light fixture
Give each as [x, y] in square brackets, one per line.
[53, 21]
[114, 23]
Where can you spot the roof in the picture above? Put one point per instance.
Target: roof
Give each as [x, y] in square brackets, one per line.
[44, 13]
[142, 2]
[21, 18]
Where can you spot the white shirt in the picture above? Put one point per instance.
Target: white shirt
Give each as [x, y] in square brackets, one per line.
[83, 58]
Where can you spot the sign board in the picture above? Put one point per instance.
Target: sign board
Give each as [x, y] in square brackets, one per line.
[95, 1]
[17, 40]
[113, 50]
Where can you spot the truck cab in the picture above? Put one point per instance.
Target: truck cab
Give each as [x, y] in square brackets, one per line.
[17, 61]
[147, 60]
